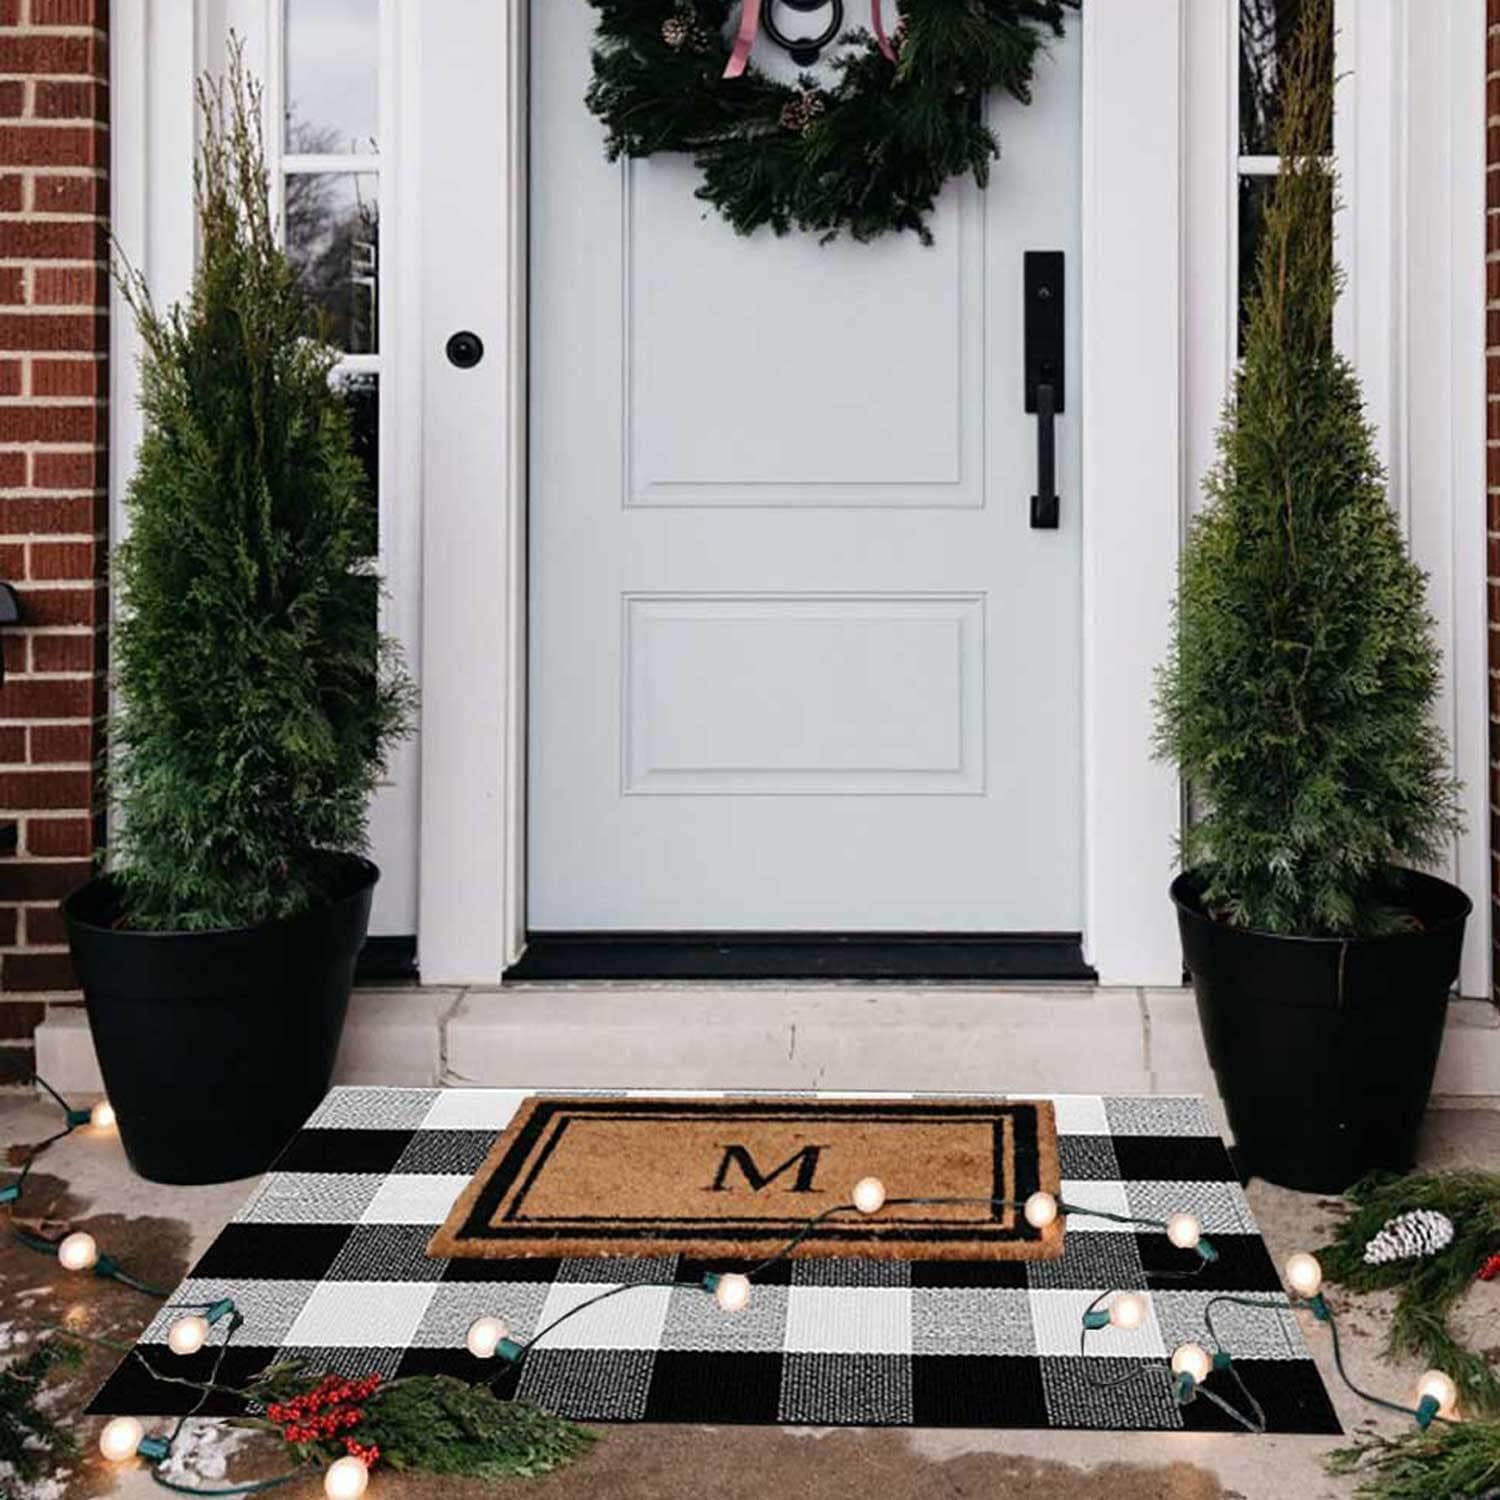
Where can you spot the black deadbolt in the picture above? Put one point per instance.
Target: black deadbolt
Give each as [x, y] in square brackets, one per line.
[465, 349]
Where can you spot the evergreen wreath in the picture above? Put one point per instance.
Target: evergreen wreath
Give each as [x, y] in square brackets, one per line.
[867, 154]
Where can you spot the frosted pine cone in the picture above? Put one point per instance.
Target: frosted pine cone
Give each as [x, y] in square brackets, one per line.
[1422, 1232]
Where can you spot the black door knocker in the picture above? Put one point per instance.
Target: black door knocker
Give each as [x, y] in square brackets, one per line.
[804, 50]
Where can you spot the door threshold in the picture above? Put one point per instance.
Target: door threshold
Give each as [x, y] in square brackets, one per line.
[901, 957]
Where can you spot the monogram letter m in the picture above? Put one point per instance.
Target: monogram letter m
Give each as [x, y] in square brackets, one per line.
[805, 1161]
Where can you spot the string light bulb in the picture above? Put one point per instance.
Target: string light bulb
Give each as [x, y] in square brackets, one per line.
[1304, 1275]
[120, 1437]
[1190, 1364]
[102, 1115]
[732, 1291]
[1437, 1396]
[1040, 1210]
[488, 1336]
[869, 1195]
[78, 1252]
[1184, 1231]
[188, 1335]
[1127, 1312]
[346, 1478]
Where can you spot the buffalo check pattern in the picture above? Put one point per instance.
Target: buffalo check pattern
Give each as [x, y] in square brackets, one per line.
[327, 1263]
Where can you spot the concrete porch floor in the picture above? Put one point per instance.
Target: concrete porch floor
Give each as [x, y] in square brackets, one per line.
[767, 1036]
[159, 1231]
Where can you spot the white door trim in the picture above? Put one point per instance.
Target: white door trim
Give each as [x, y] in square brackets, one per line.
[1144, 330]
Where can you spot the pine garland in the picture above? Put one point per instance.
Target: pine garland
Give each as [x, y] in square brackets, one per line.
[1428, 1288]
[429, 1424]
[867, 155]
[1459, 1461]
[31, 1442]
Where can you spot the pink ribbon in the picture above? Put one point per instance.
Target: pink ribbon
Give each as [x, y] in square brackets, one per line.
[739, 58]
[877, 23]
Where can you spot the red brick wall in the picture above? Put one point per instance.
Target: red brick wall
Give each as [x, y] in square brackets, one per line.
[54, 295]
[1492, 454]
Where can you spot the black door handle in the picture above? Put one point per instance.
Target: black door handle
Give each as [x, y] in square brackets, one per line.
[1045, 336]
[1044, 502]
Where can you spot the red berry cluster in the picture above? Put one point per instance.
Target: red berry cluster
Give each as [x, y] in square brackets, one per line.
[369, 1457]
[329, 1409]
[1490, 1269]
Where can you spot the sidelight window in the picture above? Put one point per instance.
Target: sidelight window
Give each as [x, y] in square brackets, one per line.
[330, 170]
[1266, 32]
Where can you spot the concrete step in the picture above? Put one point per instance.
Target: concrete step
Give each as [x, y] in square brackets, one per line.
[869, 1037]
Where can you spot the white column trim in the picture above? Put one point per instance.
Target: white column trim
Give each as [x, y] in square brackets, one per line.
[1409, 139]
[1437, 235]
[1132, 474]
[153, 128]
[471, 870]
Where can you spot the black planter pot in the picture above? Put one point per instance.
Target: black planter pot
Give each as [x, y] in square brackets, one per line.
[1324, 1049]
[216, 1046]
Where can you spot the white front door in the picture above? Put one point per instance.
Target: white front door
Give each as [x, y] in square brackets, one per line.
[798, 658]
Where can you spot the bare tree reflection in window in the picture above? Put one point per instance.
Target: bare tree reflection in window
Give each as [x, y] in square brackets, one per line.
[333, 238]
[1267, 28]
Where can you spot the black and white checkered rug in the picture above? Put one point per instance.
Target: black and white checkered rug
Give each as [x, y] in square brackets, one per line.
[327, 1262]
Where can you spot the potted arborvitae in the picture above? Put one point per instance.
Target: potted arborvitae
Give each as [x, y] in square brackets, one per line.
[257, 701]
[1297, 702]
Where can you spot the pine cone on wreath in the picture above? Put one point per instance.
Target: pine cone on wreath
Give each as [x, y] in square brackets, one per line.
[1410, 1236]
[799, 113]
[685, 30]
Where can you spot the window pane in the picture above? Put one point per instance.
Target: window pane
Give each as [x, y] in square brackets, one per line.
[1267, 29]
[361, 392]
[332, 68]
[332, 236]
[1254, 193]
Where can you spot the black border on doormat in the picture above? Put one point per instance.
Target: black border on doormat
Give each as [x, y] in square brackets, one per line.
[893, 956]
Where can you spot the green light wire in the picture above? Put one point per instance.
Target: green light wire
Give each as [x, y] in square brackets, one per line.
[68, 1113]
[1325, 1316]
[814, 1223]
[253, 1487]
[206, 1388]
[104, 1267]
[108, 1268]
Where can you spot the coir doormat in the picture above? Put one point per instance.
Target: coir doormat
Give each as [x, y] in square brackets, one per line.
[327, 1264]
[743, 1177]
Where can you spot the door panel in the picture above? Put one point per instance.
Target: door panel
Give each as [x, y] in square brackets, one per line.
[798, 660]
[732, 694]
[841, 375]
